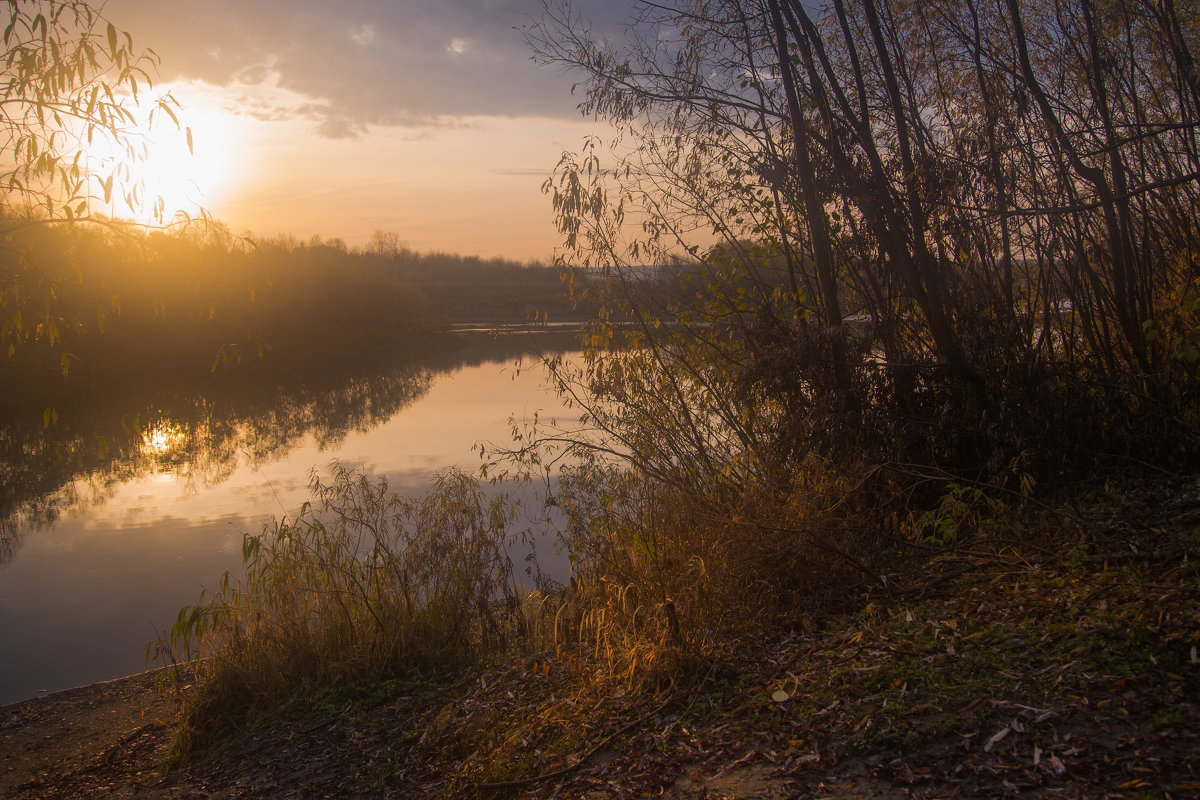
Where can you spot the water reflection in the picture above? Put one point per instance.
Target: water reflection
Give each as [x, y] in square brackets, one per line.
[135, 525]
[200, 434]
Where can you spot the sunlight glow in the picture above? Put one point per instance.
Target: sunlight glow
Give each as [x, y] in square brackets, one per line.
[160, 439]
[172, 170]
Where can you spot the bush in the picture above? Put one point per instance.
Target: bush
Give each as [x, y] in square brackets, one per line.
[365, 586]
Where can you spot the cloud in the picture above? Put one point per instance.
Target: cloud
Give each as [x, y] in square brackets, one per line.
[364, 35]
[361, 63]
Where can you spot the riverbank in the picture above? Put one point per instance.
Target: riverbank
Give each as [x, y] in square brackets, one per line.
[1063, 665]
[100, 740]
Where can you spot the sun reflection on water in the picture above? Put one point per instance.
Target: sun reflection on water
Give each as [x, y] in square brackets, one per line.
[161, 438]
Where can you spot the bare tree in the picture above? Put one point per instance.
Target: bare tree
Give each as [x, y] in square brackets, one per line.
[1001, 195]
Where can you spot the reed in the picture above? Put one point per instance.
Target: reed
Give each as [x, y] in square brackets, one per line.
[363, 586]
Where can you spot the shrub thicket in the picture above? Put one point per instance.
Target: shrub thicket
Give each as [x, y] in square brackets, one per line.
[362, 587]
[934, 257]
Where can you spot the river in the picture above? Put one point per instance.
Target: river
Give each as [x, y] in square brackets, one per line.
[122, 532]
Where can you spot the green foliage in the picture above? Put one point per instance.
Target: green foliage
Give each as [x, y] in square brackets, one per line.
[363, 586]
[71, 81]
[963, 513]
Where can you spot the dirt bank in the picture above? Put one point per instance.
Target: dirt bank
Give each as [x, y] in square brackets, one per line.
[107, 739]
[1066, 667]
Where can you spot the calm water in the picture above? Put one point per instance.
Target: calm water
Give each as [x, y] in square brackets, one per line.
[90, 572]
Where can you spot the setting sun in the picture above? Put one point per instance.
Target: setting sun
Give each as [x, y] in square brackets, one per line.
[189, 167]
[172, 169]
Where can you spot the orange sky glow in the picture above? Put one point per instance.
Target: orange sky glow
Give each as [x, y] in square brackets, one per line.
[281, 146]
[474, 188]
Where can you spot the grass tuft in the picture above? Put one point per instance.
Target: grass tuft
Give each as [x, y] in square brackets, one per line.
[362, 586]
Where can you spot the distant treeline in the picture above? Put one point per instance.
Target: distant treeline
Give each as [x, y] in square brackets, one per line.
[89, 304]
[460, 288]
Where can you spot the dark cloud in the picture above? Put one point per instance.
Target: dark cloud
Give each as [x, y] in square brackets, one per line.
[359, 63]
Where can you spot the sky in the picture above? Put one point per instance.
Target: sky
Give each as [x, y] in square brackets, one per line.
[423, 117]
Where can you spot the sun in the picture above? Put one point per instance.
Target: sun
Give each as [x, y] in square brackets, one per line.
[169, 167]
[187, 167]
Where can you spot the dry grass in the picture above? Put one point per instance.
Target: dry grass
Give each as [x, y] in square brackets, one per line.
[666, 580]
[361, 587]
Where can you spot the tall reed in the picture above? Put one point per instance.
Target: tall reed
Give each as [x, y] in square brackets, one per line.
[363, 585]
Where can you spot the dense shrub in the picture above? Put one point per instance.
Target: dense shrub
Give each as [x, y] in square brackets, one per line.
[361, 587]
[913, 252]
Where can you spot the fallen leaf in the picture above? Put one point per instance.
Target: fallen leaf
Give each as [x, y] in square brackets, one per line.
[996, 738]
